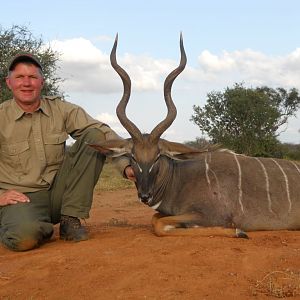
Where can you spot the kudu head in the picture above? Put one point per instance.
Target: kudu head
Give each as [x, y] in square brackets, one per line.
[145, 150]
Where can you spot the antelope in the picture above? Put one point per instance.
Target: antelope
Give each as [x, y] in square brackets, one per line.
[209, 192]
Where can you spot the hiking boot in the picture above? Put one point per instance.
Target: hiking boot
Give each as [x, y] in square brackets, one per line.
[71, 229]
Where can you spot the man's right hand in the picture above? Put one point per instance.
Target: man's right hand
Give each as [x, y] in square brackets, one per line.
[10, 197]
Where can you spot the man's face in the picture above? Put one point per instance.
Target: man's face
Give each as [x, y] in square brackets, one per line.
[26, 83]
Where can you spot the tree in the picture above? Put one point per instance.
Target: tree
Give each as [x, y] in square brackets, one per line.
[199, 143]
[291, 151]
[19, 39]
[246, 120]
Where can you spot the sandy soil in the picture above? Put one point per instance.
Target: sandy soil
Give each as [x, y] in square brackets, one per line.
[124, 260]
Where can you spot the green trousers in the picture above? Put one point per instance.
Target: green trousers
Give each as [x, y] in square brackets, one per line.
[25, 226]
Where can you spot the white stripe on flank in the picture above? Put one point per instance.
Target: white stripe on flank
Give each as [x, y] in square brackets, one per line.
[206, 171]
[267, 184]
[286, 183]
[239, 181]
[296, 166]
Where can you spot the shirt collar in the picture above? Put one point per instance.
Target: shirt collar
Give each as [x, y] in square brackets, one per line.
[19, 112]
[44, 107]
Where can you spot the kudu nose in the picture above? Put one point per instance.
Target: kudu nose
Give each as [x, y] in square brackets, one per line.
[145, 197]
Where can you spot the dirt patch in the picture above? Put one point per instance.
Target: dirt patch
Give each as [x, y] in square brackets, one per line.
[124, 260]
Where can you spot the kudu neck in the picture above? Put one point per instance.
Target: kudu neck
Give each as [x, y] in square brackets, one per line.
[164, 177]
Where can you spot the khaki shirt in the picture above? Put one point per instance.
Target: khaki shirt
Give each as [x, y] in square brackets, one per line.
[32, 145]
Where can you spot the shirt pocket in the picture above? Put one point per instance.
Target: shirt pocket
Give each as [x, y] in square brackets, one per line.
[55, 147]
[15, 156]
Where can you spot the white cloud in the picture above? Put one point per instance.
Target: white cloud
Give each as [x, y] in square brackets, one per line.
[87, 71]
[113, 122]
[85, 67]
[213, 63]
[78, 50]
[252, 67]
[107, 118]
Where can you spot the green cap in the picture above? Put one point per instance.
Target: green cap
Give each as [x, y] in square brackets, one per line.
[24, 57]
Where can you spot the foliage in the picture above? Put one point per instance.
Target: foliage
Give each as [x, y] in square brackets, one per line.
[246, 120]
[111, 179]
[199, 143]
[291, 151]
[19, 39]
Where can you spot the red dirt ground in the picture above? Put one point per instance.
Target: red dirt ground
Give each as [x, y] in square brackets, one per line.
[124, 260]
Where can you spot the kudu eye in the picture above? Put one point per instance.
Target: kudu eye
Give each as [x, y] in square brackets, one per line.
[133, 158]
[134, 162]
[154, 163]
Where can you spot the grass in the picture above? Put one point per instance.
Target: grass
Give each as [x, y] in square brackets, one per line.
[279, 284]
[111, 179]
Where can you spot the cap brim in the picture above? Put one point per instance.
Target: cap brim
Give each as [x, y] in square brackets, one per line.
[24, 57]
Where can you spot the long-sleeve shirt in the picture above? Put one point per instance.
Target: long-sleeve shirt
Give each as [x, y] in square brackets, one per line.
[32, 145]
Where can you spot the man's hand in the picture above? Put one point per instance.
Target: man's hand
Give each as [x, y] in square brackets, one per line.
[129, 173]
[12, 197]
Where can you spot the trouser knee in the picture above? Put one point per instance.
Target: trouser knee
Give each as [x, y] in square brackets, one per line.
[27, 236]
[92, 135]
[72, 190]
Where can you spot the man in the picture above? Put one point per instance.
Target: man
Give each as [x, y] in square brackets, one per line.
[40, 183]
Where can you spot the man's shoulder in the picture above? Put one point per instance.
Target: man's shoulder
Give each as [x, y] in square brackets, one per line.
[58, 102]
[53, 98]
[5, 104]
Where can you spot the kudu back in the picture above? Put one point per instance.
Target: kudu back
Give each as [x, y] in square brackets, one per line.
[204, 192]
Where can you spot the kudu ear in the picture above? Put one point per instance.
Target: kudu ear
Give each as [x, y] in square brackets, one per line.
[113, 148]
[178, 151]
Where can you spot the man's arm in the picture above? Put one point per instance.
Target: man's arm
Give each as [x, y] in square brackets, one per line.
[122, 163]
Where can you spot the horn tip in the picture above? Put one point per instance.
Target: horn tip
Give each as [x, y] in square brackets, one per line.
[113, 50]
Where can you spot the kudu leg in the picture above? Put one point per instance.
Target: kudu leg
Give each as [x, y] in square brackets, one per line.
[173, 226]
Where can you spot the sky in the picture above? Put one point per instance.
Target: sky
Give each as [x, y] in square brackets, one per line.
[252, 42]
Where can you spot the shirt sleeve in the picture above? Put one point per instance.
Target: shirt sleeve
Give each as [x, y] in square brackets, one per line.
[77, 121]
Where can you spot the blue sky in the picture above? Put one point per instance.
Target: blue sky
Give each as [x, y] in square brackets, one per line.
[255, 42]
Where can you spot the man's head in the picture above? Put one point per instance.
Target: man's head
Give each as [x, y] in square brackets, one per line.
[25, 80]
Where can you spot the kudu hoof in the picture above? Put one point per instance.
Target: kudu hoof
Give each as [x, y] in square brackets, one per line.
[241, 234]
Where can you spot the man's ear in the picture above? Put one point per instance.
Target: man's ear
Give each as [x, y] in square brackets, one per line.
[112, 148]
[7, 80]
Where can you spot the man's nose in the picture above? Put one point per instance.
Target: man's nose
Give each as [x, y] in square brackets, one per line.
[26, 81]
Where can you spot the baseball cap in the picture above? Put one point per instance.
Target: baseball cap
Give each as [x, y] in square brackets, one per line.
[24, 57]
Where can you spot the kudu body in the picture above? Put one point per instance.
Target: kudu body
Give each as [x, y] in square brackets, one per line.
[209, 192]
